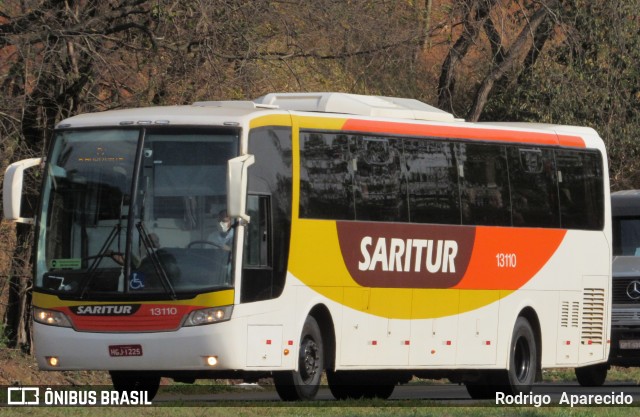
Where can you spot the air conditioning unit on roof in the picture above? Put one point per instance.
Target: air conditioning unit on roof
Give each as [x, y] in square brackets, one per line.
[374, 106]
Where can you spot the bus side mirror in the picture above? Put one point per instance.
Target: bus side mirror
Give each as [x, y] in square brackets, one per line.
[237, 186]
[12, 190]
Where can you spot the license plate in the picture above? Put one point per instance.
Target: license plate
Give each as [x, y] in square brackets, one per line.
[125, 350]
[630, 344]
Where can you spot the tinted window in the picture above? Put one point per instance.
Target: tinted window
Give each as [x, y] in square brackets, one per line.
[484, 186]
[626, 236]
[432, 181]
[534, 192]
[380, 188]
[580, 185]
[325, 177]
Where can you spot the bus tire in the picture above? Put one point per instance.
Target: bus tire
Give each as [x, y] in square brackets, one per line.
[127, 381]
[592, 375]
[304, 383]
[523, 359]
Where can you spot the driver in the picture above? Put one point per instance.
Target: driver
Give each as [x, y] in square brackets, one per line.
[223, 235]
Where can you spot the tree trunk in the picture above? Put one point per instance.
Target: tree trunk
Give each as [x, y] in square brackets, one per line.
[17, 319]
[501, 67]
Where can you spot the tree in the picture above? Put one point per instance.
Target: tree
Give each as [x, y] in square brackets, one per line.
[479, 40]
[589, 77]
[63, 57]
[54, 52]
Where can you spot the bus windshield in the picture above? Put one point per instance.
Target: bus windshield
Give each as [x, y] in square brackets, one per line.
[626, 236]
[136, 212]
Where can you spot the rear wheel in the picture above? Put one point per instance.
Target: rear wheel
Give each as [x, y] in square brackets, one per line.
[304, 383]
[523, 359]
[127, 381]
[593, 375]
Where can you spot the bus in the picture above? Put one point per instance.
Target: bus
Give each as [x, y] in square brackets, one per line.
[372, 239]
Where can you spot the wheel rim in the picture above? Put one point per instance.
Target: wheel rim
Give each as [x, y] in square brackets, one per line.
[522, 359]
[309, 360]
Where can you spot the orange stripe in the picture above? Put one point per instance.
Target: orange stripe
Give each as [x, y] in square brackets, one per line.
[506, 258]
[471, 133]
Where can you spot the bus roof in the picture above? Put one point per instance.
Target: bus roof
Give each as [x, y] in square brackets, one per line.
[219, 112]
[398, 115]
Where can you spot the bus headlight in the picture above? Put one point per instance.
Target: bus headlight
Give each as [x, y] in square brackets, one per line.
[50, 317]
[208, 316]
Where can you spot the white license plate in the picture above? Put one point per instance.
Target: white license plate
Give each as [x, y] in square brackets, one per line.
[630, 344]
[125, 350]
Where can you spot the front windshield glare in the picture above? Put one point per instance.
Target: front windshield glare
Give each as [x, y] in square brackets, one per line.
[175, 226]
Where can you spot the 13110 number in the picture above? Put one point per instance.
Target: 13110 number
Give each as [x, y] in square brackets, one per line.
[164, 311]
[506, 260]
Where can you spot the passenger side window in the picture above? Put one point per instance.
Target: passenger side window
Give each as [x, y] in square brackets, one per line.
[484, 185]
[326, 185]
[580, 183]
[380, 188]
[534, 189]
[432, 181]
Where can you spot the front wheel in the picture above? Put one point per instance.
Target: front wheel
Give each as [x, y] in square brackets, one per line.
[127, 381]
[304, 383]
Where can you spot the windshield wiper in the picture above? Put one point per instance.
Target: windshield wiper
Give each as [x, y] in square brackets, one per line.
[84, 285]
[155, 260]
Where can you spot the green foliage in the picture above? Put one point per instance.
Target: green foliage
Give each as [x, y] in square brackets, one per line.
[589, 78]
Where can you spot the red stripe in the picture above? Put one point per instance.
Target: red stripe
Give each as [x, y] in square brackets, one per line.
[142, 320]
[471, 133]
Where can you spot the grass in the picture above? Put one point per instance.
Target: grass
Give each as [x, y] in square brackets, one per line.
[615, 374]
[321, 411]
[352, 408]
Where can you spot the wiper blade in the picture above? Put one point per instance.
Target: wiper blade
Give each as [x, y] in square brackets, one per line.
[155, 260]
[84, 285]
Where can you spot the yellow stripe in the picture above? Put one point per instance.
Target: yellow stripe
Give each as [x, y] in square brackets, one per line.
[212, 299]
[316, 260]
[270, 120]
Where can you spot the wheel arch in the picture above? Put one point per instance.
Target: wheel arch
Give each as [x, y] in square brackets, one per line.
[532, 317]
[323, 317]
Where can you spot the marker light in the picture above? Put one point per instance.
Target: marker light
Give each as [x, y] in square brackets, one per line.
[212, 360]
[208, 316]
[52, 361]
[50, 317]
